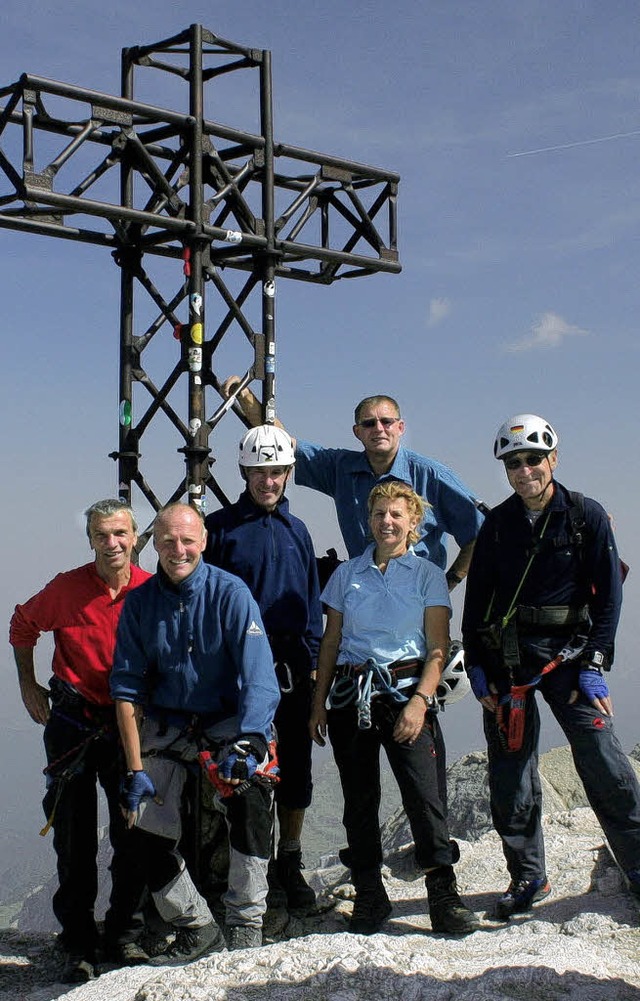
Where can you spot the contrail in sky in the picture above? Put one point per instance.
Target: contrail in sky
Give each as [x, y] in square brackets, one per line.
[583, 142]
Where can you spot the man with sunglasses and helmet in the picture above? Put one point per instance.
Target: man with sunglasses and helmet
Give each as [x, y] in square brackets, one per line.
[349, 477]
[541, 610]
[260, 541]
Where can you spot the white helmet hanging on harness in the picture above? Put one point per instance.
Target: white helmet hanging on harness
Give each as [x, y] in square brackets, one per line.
[454, 683]
[522, 432]
[266, 445]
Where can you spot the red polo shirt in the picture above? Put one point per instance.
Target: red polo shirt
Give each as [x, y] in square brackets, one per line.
[78, 609]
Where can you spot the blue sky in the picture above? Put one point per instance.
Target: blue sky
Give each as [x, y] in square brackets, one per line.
[519, 287]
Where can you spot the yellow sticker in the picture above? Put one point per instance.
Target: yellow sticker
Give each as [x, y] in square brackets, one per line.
[196, 333]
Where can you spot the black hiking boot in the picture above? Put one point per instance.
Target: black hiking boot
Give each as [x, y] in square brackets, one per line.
[300, 898]
[520, 896]
[276, 897]
[244, 937]
[190, 944]
[78, 968]
[447, 911]
[372, 906]
[125, 953]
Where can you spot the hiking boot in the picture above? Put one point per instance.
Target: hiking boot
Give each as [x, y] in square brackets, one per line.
[244, 937]
[633, 879]
[190, 944]
[277, 896]
[77, 969]
[372, 906]
[299, 897]
[521, 895]
[125, 954]
[447, 911]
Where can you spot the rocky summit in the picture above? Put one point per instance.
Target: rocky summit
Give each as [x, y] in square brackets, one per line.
[582, 942]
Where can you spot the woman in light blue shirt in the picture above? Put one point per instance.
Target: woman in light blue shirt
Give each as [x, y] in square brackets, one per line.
[381, 657]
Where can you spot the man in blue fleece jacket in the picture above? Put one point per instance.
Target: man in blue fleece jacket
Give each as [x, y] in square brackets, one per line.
[192, 658]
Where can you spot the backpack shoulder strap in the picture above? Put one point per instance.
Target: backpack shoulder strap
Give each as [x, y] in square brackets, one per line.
[577, 518]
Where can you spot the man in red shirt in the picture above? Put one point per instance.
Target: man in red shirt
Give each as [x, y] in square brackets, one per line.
[82, 607]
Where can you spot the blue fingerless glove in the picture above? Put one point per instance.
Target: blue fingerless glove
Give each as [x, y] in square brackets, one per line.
[478, 682]
[135, 787]
[592, 684]
[240, 762]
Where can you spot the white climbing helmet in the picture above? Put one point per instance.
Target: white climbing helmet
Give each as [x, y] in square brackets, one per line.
[522, 432]
[266, 445]
[454, 683]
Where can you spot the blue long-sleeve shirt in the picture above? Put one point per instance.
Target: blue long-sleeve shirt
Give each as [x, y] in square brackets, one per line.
[273, 554]
[561, 573]
[347, 476]
[198, 647]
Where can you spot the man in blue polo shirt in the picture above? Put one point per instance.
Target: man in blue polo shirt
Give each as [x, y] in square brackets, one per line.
[260, 541]
[349, 476]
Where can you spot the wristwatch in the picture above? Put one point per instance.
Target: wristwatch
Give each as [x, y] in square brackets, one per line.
[597, 662]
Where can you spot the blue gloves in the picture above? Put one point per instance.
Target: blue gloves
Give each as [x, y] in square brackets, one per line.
[592, 684]
[478, 681]
[240, 762]
[134, 788]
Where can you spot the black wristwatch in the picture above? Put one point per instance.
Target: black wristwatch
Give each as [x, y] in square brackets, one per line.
[596, 661]
[453, 578]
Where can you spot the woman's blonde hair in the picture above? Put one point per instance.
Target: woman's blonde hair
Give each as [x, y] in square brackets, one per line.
[397, 490]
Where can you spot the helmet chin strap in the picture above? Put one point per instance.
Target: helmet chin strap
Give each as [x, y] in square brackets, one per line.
[540, 499]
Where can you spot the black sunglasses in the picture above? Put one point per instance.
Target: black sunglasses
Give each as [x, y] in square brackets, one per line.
[371, 422]
[525, 460]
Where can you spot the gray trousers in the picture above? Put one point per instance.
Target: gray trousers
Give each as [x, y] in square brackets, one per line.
[248, 818]
[608, 778]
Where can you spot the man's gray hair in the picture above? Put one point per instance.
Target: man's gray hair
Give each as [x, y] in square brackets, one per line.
[106, 508]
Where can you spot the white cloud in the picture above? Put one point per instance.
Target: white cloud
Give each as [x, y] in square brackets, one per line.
[549, 331]
[439, 309]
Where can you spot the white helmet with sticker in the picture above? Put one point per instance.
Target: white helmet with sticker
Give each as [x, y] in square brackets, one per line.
[524, 432]
[266, 445]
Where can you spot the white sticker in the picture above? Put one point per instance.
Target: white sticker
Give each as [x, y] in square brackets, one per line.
[195, 359]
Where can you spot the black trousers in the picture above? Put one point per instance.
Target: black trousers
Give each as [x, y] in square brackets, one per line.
[295, 787]
[419, 770]
[81, 759]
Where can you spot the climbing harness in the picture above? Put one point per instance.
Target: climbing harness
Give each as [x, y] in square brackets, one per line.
[73, 768]
[511, 730]
[265, 774]
[358, 684]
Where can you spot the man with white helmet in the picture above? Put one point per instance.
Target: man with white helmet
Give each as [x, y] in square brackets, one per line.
[542, 605]
[259, 540]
